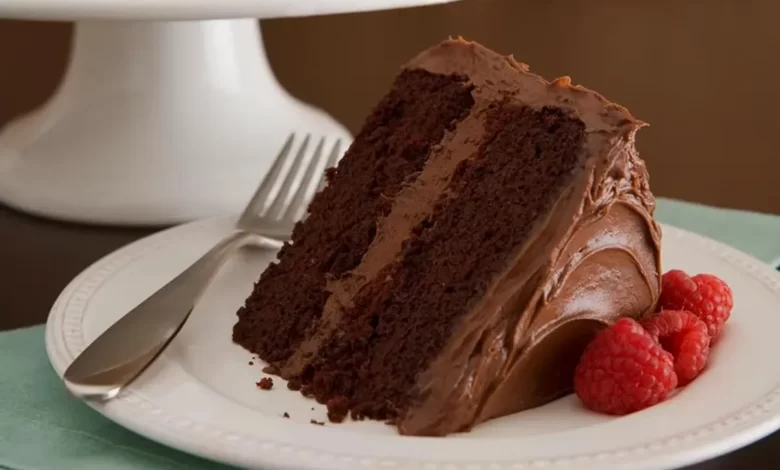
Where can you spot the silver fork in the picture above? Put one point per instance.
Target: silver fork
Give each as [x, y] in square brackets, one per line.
[119, 355]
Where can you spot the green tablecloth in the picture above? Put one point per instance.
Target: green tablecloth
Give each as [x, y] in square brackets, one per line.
[42, 427]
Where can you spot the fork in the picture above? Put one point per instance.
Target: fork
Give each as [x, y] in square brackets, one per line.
[120, 354]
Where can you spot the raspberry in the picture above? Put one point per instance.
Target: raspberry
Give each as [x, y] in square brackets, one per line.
[623, 370]
[685, 336]
[676, 288]
[706, 296]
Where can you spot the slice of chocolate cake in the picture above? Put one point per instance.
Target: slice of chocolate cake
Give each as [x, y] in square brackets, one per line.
[484, 224]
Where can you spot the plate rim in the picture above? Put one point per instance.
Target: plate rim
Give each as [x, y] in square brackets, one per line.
[733, 430]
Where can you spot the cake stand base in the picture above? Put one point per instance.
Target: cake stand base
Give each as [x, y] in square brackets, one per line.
[155, 123]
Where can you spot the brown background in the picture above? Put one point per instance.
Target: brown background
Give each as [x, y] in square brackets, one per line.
[701, 72]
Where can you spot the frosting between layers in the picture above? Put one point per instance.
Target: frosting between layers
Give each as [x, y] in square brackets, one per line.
[410, 206]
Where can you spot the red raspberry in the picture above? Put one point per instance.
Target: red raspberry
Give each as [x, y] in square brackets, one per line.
[676, 287]
[624, 370]
[685, 336]
[705, 295]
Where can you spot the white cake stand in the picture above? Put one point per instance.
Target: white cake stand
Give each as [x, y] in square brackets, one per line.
[159, 120]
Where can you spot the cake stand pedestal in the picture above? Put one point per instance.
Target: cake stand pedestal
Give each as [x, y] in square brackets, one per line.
[158, 121]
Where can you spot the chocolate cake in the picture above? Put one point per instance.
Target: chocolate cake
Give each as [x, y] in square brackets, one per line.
[484, 224]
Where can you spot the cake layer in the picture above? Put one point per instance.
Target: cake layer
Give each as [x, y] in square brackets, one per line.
[392, 146]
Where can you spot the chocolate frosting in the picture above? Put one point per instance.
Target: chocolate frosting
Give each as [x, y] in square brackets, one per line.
[593, 259]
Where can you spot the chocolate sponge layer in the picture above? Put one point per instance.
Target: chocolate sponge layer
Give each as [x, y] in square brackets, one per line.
[392, 146]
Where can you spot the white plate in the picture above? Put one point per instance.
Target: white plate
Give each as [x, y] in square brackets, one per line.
[200, 396]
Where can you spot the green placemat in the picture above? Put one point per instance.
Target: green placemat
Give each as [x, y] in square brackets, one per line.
[43, 428]
[752, 232]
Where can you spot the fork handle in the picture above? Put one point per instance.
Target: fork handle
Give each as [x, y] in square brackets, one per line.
[125, 349]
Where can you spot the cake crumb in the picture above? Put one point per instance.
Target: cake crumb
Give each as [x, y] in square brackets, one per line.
[286, 415]
[294, 385]
[338, 407]
[251, 363]
[318, 423]
[266, 383]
